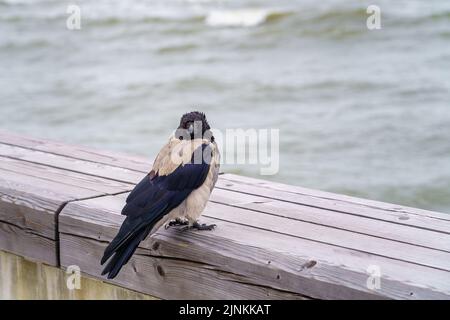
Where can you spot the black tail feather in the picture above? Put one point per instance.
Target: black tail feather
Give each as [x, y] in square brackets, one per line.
[123, 253]
[127, 232]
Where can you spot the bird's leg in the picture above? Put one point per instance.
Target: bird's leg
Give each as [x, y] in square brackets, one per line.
[203, 226]
[177, 222]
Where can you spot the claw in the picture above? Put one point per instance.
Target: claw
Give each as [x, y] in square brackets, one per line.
[203, 226]
[176, 222]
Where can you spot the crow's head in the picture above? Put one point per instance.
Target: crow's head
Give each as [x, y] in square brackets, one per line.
[193, 125]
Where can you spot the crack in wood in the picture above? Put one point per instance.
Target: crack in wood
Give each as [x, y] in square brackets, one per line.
[332, 244]
[60, 209]
[26, 230]
[230, 276]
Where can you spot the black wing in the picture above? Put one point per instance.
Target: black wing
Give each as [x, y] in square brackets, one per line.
[151, 199]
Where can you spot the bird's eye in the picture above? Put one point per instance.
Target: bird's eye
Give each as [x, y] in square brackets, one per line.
[180, 133]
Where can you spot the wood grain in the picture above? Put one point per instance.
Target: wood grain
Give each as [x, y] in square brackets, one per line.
[31, 196]
[426, 221]
[271, 258]
[364, 225]
[273, 241]
[75, 151]
[76, 165]
[26, 243]
[168, 278]
[297, 190]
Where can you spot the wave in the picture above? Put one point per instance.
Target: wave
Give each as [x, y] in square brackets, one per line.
[176, 48]
[25, 45]
[13, 2]
[23, 2]
[242, 17]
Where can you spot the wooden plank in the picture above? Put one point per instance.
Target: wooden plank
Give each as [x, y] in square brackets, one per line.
[66, 163]
[28, 210]
[336, 237]
[32, 194]
[334, 272]
[316, 270]
[27, 204]
[26, 243]
[168, 278]
[31, 202]
[416, 220]
[364, 225]
[343, 238]
[318, 194]
[324, 234]
[30, 197]
[70, 180]
[76, 152]
[27, 217]
[142, 268]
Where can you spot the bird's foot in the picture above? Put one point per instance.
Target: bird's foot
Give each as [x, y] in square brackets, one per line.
[177, 222]
[203, 226]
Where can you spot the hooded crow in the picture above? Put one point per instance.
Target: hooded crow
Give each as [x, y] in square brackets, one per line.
[175, 192]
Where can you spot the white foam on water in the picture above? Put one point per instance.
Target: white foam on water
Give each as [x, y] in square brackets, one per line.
[238, 18]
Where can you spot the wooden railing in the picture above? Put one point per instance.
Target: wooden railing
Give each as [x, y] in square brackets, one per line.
[60, 206]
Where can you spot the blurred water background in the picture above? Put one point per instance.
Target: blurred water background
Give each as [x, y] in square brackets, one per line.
[360, 112]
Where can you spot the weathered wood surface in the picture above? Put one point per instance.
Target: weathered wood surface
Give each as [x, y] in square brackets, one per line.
[32, 192]
[273, 241]
[74, 151]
